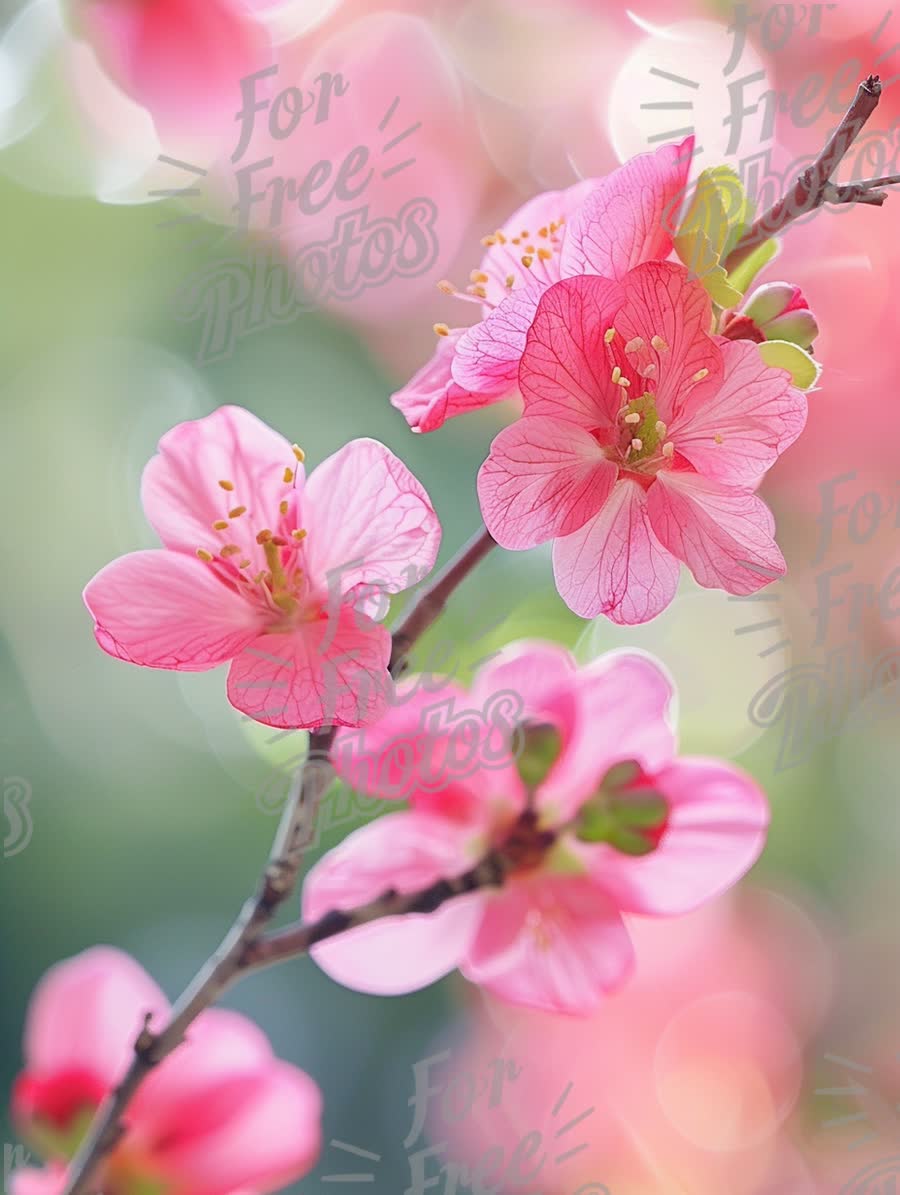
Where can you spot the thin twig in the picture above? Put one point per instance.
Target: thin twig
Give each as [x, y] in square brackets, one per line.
[430, 602]
[235, 956]
[811, 189]
[296, 940]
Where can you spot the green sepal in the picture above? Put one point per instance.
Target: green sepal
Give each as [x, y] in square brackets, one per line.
[781, 354]
[540, 749]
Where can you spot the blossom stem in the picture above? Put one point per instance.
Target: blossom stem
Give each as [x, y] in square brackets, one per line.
[431, 601]
[814, 187]
[241, 950]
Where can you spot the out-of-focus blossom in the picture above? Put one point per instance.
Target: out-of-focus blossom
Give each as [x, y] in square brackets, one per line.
[596, 817]
[280, 574]
[220, 1115]
[641, 445]
[687, 1079]
[597, 226]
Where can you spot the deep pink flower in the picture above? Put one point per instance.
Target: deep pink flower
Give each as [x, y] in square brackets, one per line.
[642, 442]
[183, 60]
[222, 1113]
[598, 226]
[553, 936]
[281, 575]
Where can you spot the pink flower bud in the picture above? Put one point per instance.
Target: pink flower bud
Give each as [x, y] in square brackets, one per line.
[780, 312]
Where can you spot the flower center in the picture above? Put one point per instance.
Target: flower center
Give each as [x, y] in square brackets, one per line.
[513, 261]
[263, 563]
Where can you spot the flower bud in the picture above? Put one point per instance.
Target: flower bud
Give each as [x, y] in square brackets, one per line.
[780, 312]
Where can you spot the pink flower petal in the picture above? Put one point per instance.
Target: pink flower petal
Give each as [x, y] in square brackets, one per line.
[180, 488]
[431, 396]
[553, 943]
[724, 536]
[566, 370]
[718, 818]
[332, 672]
[442, 750]
[630, 216]
[624, 711]
[30, 1181]
[165, 610]
[407, 852]
[370, 522]
[615, 565]
[661, 300]
[737, 434]
[182, 59]
[543, 478]
[87, 1012]
[488, 354]
[199, 1086]
[504, 260]
[271, 1138]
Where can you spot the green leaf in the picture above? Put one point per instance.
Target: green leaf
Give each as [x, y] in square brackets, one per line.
[716, 217]
[780, 354]
[743, 275]
[541, 745]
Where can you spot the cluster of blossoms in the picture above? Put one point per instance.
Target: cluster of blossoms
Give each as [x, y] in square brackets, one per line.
[648, 423]
[650, 418]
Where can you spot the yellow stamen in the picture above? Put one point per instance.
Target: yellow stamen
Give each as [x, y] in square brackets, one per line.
[220, 525]
[718, 438]
[500, 237]
[204, 555]
[526, 261]
[634, 417]
[245, 563]
[659, 344]
[637, 444]
[478, 291]
[447, 287]
[616, 374]
[478, 276]
[661, 429]
[488, 241]
[624, 382]
[283, 506]
[510, 280]
[237, 511]
[227, 485]
[668, 449]
[543, 232]
[288, 475]
[609, 335]
[636, 343]
[298, 453]
[229, 550]
[545, 254]
[264, 536]
[298, 535]
[442, 330]
[701, 374]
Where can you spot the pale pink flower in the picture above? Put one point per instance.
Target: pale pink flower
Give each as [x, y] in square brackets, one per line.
[641, 445]
[598, 226]
[553, 936]
[220, 1114]
[282, 575]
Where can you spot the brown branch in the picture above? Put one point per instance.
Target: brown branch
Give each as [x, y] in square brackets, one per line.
[812, 188]
[431, 601]
[296, 940]
[241, 950]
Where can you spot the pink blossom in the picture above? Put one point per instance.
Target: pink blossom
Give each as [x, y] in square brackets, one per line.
[598, 226]
[641, 445]
[181, 59]
[553, 936]
[282, 575]
[220, 1114]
